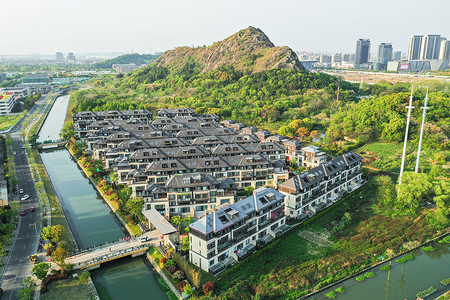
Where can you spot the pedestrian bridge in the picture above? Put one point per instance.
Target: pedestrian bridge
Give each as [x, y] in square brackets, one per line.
[90, 259]
[52, 144]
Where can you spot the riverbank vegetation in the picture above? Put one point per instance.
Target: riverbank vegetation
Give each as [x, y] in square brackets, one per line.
[6, 121]
[76, 288]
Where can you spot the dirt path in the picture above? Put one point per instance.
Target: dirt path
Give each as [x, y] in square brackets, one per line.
[314, 238]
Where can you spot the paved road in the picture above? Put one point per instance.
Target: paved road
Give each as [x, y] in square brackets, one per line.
[19, 266]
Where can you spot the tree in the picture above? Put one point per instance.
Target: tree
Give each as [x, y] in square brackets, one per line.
[53, 233]
[134, 207]
[178, 275]
[415, 188]
[27, 291]
[302, 132]
[84, 277]
[59, 257]
[185, 246]
[188, 289]
[41, 270]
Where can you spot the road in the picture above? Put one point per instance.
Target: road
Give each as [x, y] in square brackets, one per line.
[19, 266]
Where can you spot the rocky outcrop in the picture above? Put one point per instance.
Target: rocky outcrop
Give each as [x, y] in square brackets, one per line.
[249, 49]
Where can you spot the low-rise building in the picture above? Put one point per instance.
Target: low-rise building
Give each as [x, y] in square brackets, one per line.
[321, 186]
[228, 235]
[312, 156]
[7, 102]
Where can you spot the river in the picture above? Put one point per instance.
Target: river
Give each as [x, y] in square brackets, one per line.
[55, 120]
[403, 281]
[91, 219]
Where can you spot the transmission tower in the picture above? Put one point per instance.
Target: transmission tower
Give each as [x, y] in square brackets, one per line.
[409, 107]
[425, 107]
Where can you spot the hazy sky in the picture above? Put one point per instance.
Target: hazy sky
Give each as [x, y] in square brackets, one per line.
[47, 26]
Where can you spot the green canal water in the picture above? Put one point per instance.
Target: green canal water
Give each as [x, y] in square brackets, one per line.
[92, 221]
[403, 281]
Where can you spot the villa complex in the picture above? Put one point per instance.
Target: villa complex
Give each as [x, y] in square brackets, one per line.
[191, 165]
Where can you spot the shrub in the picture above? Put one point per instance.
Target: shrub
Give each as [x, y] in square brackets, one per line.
[385, 268]
[84, 277]
[196, 276]
[178, 275]
[445, 240]
[340, 290]
[445, 281]
[163, 260]
[169, 262]
[330, 295]
[182, 284]
[361, 278]
[370, 274]
[410, 256]
[172, 269]
[428, 248]
[401, 260]
[209, 287]
[169, 255]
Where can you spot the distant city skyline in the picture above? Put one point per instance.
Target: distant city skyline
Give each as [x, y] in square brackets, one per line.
[324, 26]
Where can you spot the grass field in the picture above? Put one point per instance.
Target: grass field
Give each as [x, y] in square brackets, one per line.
[68, 289]
[9, 120]
[387, 157]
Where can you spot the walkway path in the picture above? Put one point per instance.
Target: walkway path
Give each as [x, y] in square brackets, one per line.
[315, 238]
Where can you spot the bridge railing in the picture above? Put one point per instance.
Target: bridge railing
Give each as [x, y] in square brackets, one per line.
[96, 248]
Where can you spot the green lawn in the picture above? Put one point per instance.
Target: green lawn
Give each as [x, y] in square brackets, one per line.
[68, 289]
[387, 157]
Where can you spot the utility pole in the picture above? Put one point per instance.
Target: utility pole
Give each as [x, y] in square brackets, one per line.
[409, 107]
[425, 107]
[339, 85]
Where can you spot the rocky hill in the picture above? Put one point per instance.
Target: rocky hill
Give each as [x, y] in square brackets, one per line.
[249, 49]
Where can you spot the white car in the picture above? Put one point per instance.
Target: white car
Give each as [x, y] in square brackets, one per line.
[20, 191]
[25, 197]
[144, 239]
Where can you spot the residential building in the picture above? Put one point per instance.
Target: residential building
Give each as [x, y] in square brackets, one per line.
[175, 112]
[2, 77]
[431, 45]
[321, 186]
[230, 234]
[384, 54]
[397, 55]
[362, 52]
[444, 52]
[82, 120]
[71, 57]
[312, 156]
[414, 47]
[125, 68]
[59, 57]
[190, 194]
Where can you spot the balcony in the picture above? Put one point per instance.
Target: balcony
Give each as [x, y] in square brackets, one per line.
[263, 224]
[220, 247]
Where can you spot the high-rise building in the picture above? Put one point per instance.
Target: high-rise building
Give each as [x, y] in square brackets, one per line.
[325, 58]
[414, 47]
[397, 55]
[59, 56]
[444, 52]
[384, 54]
[362, 52]
[336, 58]
[71, 57]
[431, 44]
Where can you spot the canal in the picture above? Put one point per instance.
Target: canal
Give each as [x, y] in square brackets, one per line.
[402, 281]
[55, 120]
[91, 219]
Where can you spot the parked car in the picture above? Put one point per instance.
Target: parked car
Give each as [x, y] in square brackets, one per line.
[20, 191]
[32, 209]
[22, 212]
[25, 197]
[144, 239]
